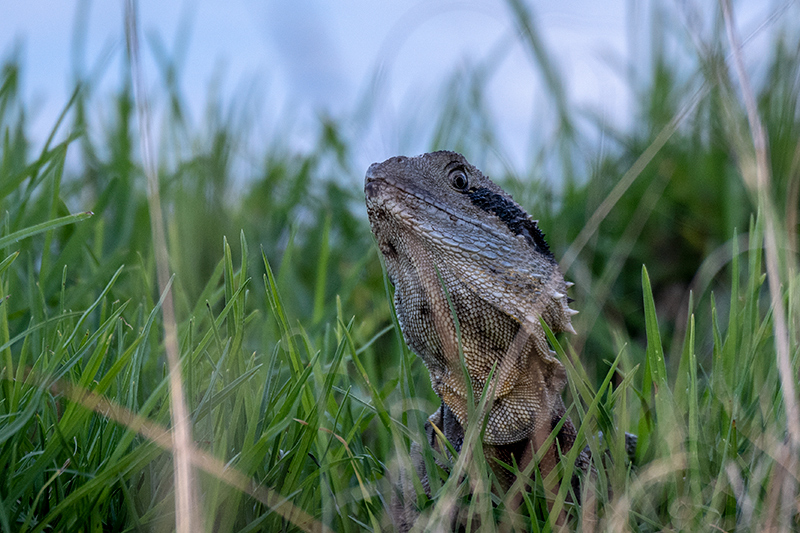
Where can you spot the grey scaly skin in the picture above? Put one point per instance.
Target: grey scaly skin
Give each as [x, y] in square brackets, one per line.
[440, 222]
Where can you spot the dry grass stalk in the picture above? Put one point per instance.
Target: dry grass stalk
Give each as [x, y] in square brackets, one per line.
[767, 209]
[187, 508]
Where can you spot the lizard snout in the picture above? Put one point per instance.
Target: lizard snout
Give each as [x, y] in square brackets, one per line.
[370, 185]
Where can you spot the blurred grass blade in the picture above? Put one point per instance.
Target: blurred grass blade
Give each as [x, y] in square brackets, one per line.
[17, 236]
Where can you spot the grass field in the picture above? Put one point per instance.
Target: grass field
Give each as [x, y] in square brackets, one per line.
[300, 397]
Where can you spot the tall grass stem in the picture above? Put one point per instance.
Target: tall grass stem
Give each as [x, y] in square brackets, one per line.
[187, 510]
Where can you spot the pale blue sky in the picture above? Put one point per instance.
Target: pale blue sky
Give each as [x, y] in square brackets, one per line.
[311, 56]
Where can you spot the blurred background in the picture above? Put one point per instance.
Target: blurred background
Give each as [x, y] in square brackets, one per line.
[297, 63]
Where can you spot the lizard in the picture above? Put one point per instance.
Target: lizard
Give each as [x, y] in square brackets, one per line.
[455, 243]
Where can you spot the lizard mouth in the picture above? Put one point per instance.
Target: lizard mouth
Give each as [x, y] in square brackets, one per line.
[376, 190]
[377, 187]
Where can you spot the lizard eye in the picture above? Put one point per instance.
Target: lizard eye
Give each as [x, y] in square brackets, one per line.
[459, 180]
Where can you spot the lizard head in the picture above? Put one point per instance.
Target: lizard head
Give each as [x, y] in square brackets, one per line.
[458, 219]
[449, 183]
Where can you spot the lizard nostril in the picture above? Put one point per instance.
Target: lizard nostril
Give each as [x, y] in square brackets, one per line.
[371, 172]
[370, 180]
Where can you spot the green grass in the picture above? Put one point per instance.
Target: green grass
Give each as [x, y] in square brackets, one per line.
[302, 397]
